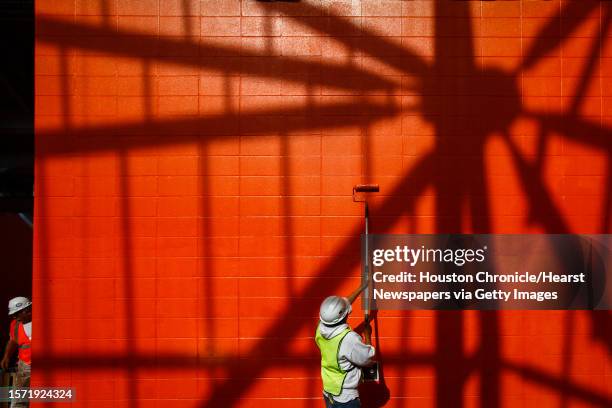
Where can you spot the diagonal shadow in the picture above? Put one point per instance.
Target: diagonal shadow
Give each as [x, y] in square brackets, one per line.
[553, 382]
[542, 207]
[576, 129]
[585, 132]
[566, 21]
[589, 68]
[187, 130]
[136, 44]
[179, 361]
[370, 42]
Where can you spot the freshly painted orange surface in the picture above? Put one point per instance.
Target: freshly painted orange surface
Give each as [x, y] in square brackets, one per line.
[194, 168]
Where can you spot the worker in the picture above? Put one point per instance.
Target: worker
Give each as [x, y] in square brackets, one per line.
[20, 309]
[343, 353]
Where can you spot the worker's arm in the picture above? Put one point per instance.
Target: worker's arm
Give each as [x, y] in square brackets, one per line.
[358, 353]
[11, 346]
[351, 298]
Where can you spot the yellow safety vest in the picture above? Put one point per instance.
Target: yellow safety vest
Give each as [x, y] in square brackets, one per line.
[333, 376]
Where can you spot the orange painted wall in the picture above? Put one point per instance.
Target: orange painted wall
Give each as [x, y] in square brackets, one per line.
[194, 167]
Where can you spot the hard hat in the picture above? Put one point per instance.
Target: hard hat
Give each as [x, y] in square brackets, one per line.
[18, 303]
[334, 309]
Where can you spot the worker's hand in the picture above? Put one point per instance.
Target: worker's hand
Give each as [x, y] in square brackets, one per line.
[5, 363]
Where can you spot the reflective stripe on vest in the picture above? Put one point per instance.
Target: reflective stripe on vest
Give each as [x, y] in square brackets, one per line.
[333, 376]
[21, 337]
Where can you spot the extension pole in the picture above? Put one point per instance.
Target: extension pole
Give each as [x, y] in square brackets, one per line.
[369, 373]
[366, 188]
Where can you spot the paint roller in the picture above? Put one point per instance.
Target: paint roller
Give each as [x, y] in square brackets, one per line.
[359, 195]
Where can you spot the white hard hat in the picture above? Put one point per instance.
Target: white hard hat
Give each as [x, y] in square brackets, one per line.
[18, 303]
[334, 309]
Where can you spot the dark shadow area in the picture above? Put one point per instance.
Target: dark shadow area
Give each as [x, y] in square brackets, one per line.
[463, 119]
[17, 107]
[601, 326]
[466, 109]
[374, 394]
[558, 28]
[16, 155]
[169, 132]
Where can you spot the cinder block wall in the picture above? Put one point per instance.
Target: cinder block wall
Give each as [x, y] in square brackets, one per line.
[194, 168]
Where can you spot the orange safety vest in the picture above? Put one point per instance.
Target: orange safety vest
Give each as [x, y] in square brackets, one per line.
[19, 335]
